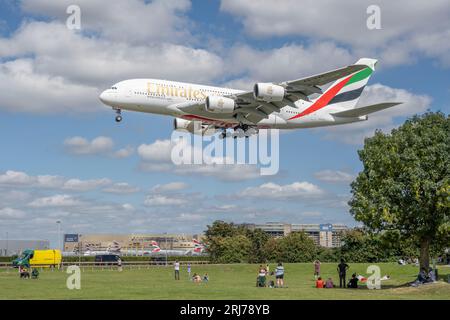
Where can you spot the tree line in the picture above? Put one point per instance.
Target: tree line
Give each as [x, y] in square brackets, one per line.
[232, 243]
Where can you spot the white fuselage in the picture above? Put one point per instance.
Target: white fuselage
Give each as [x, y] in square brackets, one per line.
[164, 97]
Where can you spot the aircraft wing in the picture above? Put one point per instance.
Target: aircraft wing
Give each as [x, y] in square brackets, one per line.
[357, 112]
[251, 111]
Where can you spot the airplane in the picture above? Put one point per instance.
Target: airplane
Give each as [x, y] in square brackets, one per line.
[199, 247]
[294, 104]
[157, 250]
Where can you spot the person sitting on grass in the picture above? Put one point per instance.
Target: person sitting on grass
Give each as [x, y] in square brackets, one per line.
[196, 278]
[320, 283]
[431, 275]
[353, 283]
[422, 278]
[35, 273]
[23, 271]
[261, 280]
[329, 283]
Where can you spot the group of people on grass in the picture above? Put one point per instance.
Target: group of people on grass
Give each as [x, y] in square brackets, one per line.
[425, 276]
[264, 271]
[25, 274]
[195, 277]
[342, 268]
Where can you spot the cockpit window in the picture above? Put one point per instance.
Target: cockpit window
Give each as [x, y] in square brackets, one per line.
[114, 88]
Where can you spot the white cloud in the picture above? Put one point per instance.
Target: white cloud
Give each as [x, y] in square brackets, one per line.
[82, 146]
[10, 213]
[164, 200]
[121, 188]
[334, 176]
[59, 200]
[41, 92]
[170, 187]
[145, 21]
[288, 62]
[160, 150]
[11, 177]
[67, 70]
[48, 181]
[85, 185]
[280, 192]
[157, 158]
[403, 25]
[124, 152]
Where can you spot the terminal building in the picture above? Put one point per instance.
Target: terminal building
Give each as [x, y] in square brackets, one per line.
[127, 243]
[325, 235]
[16, 247]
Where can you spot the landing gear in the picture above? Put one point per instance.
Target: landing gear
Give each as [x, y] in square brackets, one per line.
[119, 115]
[239, 132]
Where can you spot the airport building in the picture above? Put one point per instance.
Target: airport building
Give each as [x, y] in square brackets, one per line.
[326, 235]
[127, 243]
[16, 247]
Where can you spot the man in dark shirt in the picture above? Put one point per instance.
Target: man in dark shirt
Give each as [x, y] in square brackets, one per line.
[342, 270]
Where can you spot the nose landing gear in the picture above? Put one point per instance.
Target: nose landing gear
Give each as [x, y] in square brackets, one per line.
[119, 115]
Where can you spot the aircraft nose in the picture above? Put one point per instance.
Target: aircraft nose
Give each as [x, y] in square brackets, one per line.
[103, 97]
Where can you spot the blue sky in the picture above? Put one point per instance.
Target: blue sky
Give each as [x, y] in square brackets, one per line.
[54, 165]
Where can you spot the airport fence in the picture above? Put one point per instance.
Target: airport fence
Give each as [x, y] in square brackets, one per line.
[92, 265]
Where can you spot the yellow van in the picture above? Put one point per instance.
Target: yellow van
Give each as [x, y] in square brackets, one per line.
[39, 258]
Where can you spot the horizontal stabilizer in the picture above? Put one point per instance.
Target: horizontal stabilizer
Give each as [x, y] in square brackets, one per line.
[358, 112]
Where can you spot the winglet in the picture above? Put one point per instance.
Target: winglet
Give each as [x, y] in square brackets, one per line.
[371, 63]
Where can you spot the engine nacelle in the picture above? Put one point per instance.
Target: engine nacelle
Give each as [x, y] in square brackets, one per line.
[183, 125]
[219, 104]
[189, 126]
[268, 92]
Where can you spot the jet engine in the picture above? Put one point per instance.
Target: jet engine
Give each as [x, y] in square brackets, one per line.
[183, 125]
[268, 92]
[219, 104]
[188, 126]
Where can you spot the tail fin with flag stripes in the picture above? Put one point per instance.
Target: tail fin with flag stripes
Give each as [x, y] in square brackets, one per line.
[345, 92]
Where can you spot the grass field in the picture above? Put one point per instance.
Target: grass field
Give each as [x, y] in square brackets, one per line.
[226, 282]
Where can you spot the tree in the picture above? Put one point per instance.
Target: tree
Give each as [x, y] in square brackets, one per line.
[404, 185]
[227, 243]
[258, 239]
[234, 249]
[297, 247]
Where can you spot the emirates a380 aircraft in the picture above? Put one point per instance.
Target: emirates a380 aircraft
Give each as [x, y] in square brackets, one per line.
[291, 104]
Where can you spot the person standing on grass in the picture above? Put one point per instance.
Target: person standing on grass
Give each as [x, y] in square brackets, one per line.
[342, 270]
[279, 275]
[189, 270]
[176, 267]
[316, 269]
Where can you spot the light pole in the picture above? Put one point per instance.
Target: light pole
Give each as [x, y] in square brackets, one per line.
[166, 249]
[58, 223]
[7, 243]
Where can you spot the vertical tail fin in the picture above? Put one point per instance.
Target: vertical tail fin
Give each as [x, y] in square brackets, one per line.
[347, 90]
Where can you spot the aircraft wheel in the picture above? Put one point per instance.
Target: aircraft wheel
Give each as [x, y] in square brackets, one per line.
[118, 118]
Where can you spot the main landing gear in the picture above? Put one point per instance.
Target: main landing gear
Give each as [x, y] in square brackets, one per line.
[118, 115]
[239, 132]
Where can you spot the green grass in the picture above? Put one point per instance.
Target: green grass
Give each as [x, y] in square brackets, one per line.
[226, 282]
